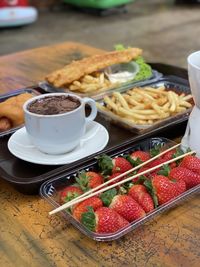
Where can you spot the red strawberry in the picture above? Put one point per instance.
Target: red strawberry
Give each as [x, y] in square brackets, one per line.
[192, 163]
[189, 177]
[141, 155]
[166, 189]
[155, 162]
[145, 175]
[113, 176]
[80, 208]
[121, 165]
[127, 207]
[173, 154]
[103, 220]
[107, 165]
[169, 155]
[69, 193]
[140, 194]
[88, 180]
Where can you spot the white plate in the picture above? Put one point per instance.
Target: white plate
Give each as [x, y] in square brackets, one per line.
[95, 139]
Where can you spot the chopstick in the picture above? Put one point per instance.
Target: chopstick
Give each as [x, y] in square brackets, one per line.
[90, 194]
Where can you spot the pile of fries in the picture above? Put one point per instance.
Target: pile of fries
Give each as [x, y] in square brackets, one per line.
[147, 105]
[97, 82]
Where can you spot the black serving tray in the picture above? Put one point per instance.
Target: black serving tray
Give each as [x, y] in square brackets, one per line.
[27, 177]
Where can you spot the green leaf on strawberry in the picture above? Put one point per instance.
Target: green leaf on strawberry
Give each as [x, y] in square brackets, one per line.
[134, 162]
[151, 190]
[155, 150]
[165, 170]
[88, 219]
[82, 180]
[107, 196]
[105, 164]
[141, 179]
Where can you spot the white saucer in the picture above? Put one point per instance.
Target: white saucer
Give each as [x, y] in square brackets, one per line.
[95, 139]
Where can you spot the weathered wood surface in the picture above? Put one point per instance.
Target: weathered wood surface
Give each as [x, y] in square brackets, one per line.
[29, 237]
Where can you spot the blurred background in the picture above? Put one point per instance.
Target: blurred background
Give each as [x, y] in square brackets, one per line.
[167, 30]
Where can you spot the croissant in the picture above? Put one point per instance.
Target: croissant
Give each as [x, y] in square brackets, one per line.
[11, 111]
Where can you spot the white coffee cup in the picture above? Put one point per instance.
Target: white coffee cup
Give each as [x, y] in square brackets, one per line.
[59, 133]
[194, 76]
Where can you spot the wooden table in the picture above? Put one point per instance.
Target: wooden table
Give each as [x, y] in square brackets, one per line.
[29, 237]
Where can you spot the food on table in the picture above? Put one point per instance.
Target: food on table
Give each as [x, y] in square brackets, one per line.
[112, 176]
[139, 193]
[69, 193]
[5, 124]
[145, 105]
[125, 206]
[52, 105]
[103, 220]
[107, 165]
[140, 156]
[11, 111]
[192, 163]
[113, 209]
[167, 189]
[145, 71]
[101, 72]
[79, 209]
[88, 180]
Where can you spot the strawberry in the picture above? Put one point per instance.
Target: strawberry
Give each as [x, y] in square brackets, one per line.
[155, 163]
[189, 177]
[113, 176]
[192, 163]
[144, 168]
[103, 220]
[140, 194]
[108, 166]
[125, 205]
[69, 193]
[166, 189]
[141, 155]
[88, 180]
[171, 155]
[80, 208]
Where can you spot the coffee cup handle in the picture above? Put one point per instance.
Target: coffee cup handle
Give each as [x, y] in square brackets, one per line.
[93, 107]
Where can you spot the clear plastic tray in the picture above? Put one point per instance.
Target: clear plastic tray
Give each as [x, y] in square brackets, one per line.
[50, 190]
[34, 91]
[174, 83]
[98, 95]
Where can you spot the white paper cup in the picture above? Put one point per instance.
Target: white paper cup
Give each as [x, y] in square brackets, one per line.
[60, 133]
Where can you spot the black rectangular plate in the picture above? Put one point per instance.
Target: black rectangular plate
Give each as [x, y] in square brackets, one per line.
[27, 177]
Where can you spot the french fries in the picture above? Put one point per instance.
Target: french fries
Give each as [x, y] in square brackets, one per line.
[147, 105]
[97, 82]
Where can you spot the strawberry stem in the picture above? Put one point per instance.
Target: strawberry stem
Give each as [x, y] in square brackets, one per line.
[88, 219]
[151, 190]
[107, 196]
[105, 164]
